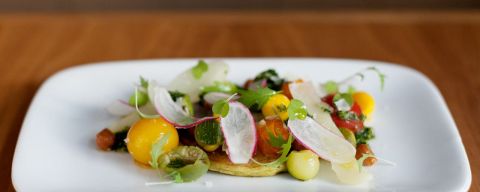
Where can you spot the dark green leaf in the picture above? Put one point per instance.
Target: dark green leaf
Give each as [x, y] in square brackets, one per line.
[365, 135]
[199, 69]
[176, 94]
[273, 80]
[258, 97]
[119, 141]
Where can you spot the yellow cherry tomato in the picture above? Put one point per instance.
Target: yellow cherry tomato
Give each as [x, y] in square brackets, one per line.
[144, 133]
[365, 101]
[276, 105]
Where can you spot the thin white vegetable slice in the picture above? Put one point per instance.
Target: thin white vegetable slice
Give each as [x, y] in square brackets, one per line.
[213, 97]
[350, 173]
[306, 93]
[238, 128]
[126, 121]
[120, 108]
[321, 141]
[169, 110]
[186, 83]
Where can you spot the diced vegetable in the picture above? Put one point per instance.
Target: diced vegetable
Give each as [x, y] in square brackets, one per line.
[365, 135]
[145, 133]
[276, 105]
[185, 163]
[140, 97]
[105, 139]
[303, 165]
[209, 135]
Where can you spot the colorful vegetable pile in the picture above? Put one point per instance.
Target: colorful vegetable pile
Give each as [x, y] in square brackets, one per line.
[173, 128]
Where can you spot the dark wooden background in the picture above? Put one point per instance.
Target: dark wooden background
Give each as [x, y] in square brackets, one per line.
[440, 38]
[89, 5]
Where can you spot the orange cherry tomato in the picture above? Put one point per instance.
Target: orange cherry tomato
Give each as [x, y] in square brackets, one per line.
[272, 132]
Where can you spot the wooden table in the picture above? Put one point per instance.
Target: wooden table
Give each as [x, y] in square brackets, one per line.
[443, 45]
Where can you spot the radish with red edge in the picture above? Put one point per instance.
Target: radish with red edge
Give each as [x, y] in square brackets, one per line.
[240, 134]
[321, 141]
[169, 110]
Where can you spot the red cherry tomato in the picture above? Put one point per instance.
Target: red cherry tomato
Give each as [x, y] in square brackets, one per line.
[353, 125]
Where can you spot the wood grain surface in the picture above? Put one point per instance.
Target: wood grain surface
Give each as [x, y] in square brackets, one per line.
[444, 45]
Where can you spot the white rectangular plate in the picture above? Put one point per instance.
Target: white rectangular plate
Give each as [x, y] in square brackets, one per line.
[56, 148]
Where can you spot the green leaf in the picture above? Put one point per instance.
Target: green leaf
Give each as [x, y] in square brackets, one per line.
[258, 97]
[331, 87]
[365, 135]
[224, 87]
[157, 150]
[381, 76]
[283, 157]
[297, 110]
[276, 141]
[199, 69]
[273, 80]
[139, 98]
[348, 115]
[351, 89]
[176, 94]
[143, 82]
[221, 108]
[177, 177]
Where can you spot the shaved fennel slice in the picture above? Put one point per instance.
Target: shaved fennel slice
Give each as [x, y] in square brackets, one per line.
[120, 108]
[186, 82]
[321, 141]
[213, 97]
[126, 121]
[350, 173]
[169, 110]
[240, 134]
[306, 93]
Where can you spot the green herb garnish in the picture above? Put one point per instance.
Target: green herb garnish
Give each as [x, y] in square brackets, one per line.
[139, 97]
[258, 97]
[297, 110]
[348, 115]
[199, 69]
[157, 150]
[331, 87]
[273, 80]
[176, 94]
[381, 76]
[143, 82]
[283, 157]
[337, 100]
[221, 107]
[365, 135]
[276, 141]
[119, 141]
[223, 87]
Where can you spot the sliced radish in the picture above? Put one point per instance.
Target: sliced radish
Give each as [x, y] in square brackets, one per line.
[320, 140]
[120, 108]
[306, 93]
[238, 128]
[186, 83]
[169, 110]
[213, 97]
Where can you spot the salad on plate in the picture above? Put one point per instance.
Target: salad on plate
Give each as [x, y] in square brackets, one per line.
[202, 122]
